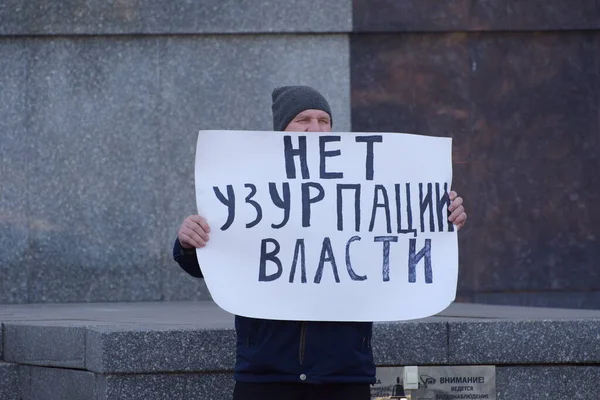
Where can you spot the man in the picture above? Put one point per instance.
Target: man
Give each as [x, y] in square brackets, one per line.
[295, 359]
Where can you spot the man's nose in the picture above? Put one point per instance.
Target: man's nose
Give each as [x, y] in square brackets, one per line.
[313, 126]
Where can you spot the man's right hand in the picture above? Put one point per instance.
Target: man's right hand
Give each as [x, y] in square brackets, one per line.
[193, 232]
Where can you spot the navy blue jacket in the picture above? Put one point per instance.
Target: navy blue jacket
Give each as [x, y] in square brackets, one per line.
[296, 351]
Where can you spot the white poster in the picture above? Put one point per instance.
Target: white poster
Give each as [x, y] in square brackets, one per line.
[327, 226]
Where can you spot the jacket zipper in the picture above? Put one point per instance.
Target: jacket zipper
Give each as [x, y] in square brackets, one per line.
[302, 342]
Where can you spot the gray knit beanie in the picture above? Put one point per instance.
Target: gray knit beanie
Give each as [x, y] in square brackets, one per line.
[289, 101]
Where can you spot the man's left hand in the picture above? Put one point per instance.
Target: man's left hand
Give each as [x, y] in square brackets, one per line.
[458, 215]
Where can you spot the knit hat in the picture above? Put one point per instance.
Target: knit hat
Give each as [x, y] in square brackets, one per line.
[289, 101]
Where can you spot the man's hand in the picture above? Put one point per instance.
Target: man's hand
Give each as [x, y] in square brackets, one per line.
[193, 232]
[458, 215]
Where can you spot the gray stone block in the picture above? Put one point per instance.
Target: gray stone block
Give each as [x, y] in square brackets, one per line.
[89, 284]
[142, 349]
[410, 343]
[469, 311]
[39, 383]
[14, 219]
[88, 194]
[159, 17]
[23, 382]
[92, 117]
[40, 344]
[547, 382]
[208, 386]
[105, 140]
[81, 124]
[524, 342]
[200, 314]
[574, 300]
[9, 381]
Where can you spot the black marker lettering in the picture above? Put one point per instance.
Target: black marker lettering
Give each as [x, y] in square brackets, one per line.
[441, 202]
[229, 201]
[269, 256]
[385, 205]
[326, 256]
[331, 153]
[290, 152]
[299, 251]
[284, 203]
[254, 204]
[351, 272]
[340, 206]
[369, 140]
[409, 228]
[385, 268]
[307, 200]
[413, 260]
[425, 203]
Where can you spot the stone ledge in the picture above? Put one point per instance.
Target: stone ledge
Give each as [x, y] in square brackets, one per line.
[512, 382]
[547, 382]
[160, 350]
[211, 386]
[60, 384]
[150, 349]
[9, 387]
[119, 17]
[47, 345]
[524, 342]
[38, 383]
[199, 337]
[410, 343]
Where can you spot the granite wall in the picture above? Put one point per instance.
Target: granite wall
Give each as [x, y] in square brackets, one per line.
[100, 105]
[516, 84]
[100, 102]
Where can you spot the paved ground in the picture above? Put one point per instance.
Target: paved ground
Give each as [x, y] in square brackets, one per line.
[205, 314]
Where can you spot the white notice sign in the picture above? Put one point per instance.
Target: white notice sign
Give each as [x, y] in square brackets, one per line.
[327, 226]
[452, 382]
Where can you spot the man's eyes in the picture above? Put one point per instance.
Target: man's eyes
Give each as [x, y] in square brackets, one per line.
[307, 120]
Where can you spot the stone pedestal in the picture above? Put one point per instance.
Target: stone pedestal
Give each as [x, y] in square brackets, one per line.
[165, 350]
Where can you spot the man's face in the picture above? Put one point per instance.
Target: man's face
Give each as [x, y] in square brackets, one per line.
[310, 121]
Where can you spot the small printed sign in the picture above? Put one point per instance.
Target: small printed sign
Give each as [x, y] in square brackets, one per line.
[438, 383]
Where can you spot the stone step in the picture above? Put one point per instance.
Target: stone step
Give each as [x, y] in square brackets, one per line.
[43, 383]
[96, 342]
[9, 378]
[186, 350]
